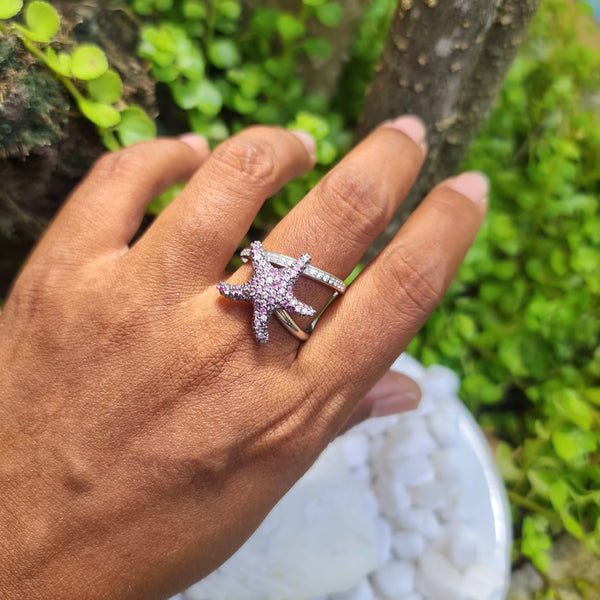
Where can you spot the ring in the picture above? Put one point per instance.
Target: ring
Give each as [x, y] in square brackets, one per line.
[270, 289]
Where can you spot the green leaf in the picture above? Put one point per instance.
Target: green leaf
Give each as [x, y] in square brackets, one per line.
[109, 140]
[223, 53]
[191, 64]
[210, 98]
[242, 104]
[317, 47]
[230, 9]
[506, 464]
[541, 481]
[575, 409]
[107, 88]
[203, 95]
[193, 9]
[60, 63]
[135, 126]
[289, 27]
[571, 444]
[10, 8]
[103, 115]
[329, 14]
[166, 74]
[88, 62]
[313, 2]
[42, 20]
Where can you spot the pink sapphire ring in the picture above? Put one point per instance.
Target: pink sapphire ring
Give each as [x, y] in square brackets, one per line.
[271, 289]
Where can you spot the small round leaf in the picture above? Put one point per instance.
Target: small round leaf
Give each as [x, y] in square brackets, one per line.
[230, 9]
[317, 47]
[135, 126]
[107, 88]
[289, 27]
[210, 99]
[224, 53]
[329, 14]
[9, 8]
[103, 115]
[42, 20]
[88, 62]
[60, 63]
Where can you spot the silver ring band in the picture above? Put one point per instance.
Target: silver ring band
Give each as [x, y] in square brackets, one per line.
[281, 260]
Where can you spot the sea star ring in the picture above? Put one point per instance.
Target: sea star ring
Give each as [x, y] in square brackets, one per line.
[270, 289]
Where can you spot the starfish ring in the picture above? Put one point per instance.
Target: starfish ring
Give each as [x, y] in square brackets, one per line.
[270, 289]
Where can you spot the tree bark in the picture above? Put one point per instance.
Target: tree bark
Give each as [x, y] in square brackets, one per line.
[444, 61]
[45, 144]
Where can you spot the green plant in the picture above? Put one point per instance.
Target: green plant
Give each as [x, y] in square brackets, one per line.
[84, 72]
[226, 72]
[522, 319]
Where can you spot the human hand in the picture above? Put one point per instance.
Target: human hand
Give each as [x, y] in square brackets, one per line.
[144, 432]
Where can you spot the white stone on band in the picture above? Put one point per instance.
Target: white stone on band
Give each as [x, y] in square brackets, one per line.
[281, 260]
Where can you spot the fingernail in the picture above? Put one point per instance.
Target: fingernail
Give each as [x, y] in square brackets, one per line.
[194, 141]
[413, 127]
[473, 184]
[307, 141]
[394, 404]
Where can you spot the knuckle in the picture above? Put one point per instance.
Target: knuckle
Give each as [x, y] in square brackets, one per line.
[356, 200]
[250, 157]
[418, 287]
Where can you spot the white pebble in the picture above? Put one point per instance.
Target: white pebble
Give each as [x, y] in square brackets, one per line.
[437, 579]
[375, 427]
[394, 579]
[481, 582]
[355, 448]
[440, 382]
[362, 473]
[392, 495]
[410, 596]
[462, 545]
[409, 366]
[433, 494]
[420, 520]
[443, 424]
[407, 544]
[383, 537]
[371, 503]
[361, 591]
[413, 471]
[446, 462]
[408, 438]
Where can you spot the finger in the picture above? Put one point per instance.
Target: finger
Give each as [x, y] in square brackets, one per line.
[394, 393]
[391, 299]
[202, 228]
[106, 209]
[351, 205]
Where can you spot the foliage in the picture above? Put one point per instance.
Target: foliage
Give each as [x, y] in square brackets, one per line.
[522, 319]
[226, 72]
[85, 73]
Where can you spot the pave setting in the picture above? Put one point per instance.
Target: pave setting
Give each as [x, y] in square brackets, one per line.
[269, 289]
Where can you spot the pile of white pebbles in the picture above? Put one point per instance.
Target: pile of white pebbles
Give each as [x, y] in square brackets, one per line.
[390, 511]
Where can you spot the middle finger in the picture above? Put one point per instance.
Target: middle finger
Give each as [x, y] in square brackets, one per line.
[349, 207]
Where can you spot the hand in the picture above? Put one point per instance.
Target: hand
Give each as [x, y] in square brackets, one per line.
[145, 433]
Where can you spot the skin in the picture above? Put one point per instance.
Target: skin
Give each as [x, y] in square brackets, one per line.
[145, 433]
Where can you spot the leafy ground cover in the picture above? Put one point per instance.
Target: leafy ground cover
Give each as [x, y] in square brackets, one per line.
[522, 319]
